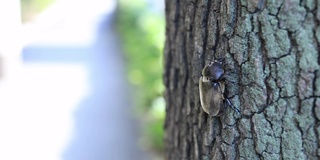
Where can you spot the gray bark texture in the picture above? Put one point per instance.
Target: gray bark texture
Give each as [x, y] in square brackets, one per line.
[271, 51]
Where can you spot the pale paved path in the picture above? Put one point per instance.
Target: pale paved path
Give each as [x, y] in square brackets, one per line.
[73, 76]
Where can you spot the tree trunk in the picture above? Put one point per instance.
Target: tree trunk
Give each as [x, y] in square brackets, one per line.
[272, 66]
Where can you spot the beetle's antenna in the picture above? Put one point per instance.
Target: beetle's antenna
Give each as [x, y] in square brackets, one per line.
[209, 59]
[221, 60]
[214, 55]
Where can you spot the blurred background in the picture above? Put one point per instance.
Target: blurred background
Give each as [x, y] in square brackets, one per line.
[81, 79]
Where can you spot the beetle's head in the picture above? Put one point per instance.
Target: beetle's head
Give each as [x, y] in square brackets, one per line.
[214, 70]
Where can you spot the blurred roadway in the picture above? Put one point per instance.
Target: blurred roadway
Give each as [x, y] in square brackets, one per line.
[70, 100]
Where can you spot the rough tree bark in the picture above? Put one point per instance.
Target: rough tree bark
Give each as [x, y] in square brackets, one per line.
[271, 53]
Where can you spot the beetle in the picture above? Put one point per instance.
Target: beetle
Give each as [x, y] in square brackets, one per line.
[212, 89]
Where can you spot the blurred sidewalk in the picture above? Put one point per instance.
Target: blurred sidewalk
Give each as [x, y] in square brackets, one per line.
[71, 100]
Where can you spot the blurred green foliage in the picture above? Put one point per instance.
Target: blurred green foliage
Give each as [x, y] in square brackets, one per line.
[142, 32]
[29, 8]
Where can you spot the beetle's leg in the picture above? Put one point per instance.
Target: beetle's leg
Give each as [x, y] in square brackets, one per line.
[219, 88]
[227, 100]
[232, 106]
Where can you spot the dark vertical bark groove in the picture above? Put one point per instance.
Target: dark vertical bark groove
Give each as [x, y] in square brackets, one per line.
[272, 64]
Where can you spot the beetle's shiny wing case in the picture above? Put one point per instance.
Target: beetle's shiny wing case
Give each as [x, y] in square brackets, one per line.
[211, 97]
